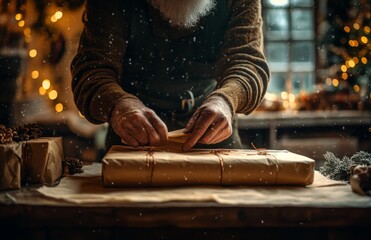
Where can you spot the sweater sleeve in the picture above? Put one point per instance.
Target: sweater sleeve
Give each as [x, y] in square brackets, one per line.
[242, 69]
[97, 66]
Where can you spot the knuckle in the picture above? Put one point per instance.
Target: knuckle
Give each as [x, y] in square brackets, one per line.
[155, 141]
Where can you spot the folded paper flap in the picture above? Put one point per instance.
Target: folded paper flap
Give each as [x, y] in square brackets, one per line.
[53, 168]
[178, 133]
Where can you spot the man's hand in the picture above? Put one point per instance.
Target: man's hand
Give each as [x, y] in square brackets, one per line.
[136, 124]
[210, 124]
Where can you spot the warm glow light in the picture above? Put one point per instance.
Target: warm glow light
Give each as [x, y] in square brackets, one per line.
[18, 16]
[364, 40]
[32, 53]
[366, 29]
[356, 26]
[285, 104]
[364, 60]
[42, 91]
[347, 29]
[328, 81]
[284, 95]
[356, 88]
[58, 15]
[34, 74]
[46, 84]
[28, 38]
[350, 42]
[344, 76]
[21, 23]
[53, 94]
[53, 19]
[59, 107]
[351, 63]
[27, 31]
[343, 68]
[355, 59]
[291, 97]
[335, 82]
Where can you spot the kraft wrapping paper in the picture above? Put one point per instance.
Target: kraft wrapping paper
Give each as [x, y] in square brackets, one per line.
[86, 188]
[134, 167]
[33, 161]
[10, 166]
[43, 160]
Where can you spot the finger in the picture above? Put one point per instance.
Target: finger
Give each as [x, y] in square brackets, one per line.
[200, 127]
[128, 138]
[140, 132]
[159, 129]
[191, 122]
[214, 131]
[225, 133]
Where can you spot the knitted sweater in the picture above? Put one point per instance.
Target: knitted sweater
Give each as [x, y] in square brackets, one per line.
[242, 71]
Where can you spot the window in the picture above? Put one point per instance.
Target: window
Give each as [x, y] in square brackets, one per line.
[289, 44]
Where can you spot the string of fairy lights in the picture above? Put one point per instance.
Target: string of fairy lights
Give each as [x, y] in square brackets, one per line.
[46, 85]
[361, 42]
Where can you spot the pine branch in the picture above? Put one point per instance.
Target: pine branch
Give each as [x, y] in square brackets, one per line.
[339, 169]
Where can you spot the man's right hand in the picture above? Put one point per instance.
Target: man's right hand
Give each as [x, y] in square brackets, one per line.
[136, 124]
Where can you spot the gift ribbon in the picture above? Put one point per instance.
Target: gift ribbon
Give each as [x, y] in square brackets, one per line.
[218, 153]
[150, 162]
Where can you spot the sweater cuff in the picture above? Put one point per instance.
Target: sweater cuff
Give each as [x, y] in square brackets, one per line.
[234, 92]
[104, 100]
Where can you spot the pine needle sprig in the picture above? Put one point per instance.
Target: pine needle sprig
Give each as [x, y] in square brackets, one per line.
[340, 169]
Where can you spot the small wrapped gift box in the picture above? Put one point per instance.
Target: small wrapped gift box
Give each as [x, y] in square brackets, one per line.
[133, 167]
[42, 160]
[34, 161]
[10, 166]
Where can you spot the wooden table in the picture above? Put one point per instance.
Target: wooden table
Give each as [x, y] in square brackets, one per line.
[25, 214]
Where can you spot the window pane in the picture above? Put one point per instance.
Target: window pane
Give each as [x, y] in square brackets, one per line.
[277, 83]
[301, 3]
[277, 55]
[302, 24]
[276, 24]
[276, 3]
[302, 56]
[303, 81]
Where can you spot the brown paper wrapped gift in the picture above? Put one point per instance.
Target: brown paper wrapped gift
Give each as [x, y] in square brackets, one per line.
[128, 167]
[10, 166]
[42, 160]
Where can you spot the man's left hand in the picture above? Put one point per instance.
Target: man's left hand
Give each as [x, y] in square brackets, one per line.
[210, 124]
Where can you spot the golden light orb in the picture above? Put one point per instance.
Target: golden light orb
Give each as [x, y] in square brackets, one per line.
[46, 84]
[34, 74]
[59, 107]
[53, 94]
[42, 91]
[18, 16]
[32, 53]
[335, 82]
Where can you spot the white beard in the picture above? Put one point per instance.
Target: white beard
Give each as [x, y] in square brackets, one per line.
[183, 13]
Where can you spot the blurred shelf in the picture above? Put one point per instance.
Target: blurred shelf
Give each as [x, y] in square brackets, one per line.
[310, 133]
[304, 118]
